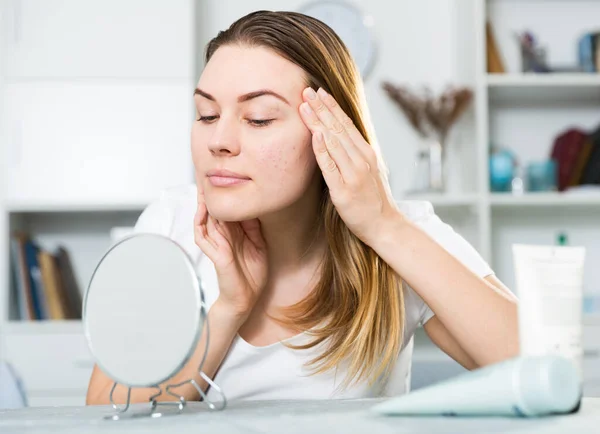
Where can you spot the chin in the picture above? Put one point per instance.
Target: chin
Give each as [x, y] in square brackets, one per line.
[230, 209]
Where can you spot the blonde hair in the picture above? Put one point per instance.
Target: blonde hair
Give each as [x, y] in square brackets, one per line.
[356, 309]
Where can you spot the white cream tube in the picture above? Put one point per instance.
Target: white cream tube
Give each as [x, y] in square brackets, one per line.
[523, 386]
[549, 285]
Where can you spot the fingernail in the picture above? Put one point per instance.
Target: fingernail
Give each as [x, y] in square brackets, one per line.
[322, 92]
[306, 108]
[311, 94]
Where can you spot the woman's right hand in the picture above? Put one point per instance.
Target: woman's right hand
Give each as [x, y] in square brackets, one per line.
[239, 253]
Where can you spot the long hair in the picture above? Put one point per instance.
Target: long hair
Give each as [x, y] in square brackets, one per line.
[356, 311]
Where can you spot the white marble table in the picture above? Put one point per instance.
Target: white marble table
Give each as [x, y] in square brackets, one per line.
[347, 417]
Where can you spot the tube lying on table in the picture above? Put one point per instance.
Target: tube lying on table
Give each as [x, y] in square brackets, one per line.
[523, 386]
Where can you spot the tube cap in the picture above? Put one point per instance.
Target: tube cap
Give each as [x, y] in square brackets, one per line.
[549, 384]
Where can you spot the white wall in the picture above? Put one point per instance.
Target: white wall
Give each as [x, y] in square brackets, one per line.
[3, 218]
[419, 42]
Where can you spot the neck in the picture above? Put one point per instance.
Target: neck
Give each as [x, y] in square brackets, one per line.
[292, 234]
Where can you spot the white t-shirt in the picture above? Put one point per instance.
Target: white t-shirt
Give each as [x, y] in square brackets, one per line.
[275, 371]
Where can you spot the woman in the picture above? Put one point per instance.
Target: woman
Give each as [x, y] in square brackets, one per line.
[315, 278]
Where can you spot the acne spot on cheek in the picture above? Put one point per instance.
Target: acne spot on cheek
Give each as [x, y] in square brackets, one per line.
[269, 158]
[281, 158]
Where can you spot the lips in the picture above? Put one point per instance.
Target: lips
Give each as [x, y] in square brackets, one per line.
[226, 178]
[223, 173]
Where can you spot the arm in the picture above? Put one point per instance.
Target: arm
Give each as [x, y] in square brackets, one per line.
[223, 328]
[440, 335]
[481, 318]
[476, 318]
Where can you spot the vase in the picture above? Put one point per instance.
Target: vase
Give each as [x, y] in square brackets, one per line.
[430, 170]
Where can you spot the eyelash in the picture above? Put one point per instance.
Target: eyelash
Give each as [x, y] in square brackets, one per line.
[258, 123]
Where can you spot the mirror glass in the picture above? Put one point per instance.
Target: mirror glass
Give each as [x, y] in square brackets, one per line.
[143, 310]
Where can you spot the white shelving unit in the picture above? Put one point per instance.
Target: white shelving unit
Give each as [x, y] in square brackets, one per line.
[545, 199]
[524, 112]
[96, 109]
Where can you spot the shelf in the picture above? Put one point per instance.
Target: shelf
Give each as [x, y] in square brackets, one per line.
[534, 88]
[543, 80]
[40, 206]
[544, 199]
[445, 200]
[41, 327]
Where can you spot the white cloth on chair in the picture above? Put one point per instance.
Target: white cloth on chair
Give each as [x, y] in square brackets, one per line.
[12, 392]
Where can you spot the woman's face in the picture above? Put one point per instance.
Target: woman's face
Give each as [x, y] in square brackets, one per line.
[247, 105]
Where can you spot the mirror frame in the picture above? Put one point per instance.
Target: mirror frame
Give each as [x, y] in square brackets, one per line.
[202, 315]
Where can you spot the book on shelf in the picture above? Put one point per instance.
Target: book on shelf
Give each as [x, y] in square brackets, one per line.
[567, 151]
[577, 155]
[46, 288]
[591, 173]
[588, 52]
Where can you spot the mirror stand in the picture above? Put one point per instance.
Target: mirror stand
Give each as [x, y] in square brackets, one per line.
[122, 412]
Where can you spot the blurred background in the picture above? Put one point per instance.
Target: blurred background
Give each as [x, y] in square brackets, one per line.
[490, 109]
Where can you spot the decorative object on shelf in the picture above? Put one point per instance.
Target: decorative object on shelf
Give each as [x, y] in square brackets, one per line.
[495, 65]
[502, 169]
[432, 117]
[352, 26]
[144, 315]
[541, 176]
[517, 185]
[533, 56]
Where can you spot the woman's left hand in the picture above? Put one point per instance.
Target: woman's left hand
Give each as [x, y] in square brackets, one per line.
[357, 188]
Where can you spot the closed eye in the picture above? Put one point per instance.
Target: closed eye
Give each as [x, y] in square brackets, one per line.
[207, 119]
[260, 122]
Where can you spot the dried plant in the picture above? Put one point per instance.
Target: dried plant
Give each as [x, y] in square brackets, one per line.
[430, 115]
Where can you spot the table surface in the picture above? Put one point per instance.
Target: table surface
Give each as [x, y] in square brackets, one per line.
[344, 416]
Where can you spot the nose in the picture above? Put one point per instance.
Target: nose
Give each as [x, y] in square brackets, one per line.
[224, 140]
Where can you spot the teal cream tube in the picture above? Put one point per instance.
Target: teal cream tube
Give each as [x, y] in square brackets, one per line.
[523, 386]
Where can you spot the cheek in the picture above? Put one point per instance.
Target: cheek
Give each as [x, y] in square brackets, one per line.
[284, 159]
[199, 148]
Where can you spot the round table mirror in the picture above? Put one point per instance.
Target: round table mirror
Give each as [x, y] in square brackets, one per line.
[143, 311]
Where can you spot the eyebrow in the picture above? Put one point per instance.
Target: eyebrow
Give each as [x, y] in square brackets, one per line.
[246, 96]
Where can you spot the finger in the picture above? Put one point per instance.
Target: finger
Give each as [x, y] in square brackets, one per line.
[342, 117]
[201, 237]
[346, 166]
[320, 115]
[224, 229]
[332, 176]
[322, 107]
[212, 230]
[199, 190]
[252, 229]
